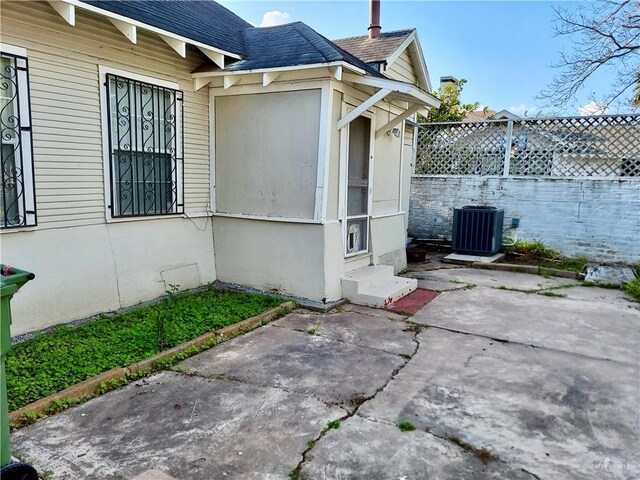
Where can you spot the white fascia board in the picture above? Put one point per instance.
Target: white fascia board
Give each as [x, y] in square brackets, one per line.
[401, 87]
[413, 44]
[423, 71]
[150, 28]
[401, 48]
[224, 73]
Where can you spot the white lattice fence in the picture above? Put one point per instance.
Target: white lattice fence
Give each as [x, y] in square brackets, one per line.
[596, 146]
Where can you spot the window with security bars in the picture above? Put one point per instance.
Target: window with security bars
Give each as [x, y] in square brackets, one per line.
[145, 146]
[17, 202]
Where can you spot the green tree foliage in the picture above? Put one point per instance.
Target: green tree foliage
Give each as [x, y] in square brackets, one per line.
[451, 109]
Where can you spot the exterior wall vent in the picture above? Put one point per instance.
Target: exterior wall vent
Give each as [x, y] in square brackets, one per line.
[477, 230]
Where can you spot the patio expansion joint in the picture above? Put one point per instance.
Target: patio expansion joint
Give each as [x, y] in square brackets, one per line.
[416, 330]
[530, 345]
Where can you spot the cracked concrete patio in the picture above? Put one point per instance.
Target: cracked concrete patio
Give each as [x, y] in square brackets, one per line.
[498, 384]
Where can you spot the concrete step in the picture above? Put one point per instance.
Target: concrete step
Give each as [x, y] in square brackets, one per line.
[384, 292]
[354, 282]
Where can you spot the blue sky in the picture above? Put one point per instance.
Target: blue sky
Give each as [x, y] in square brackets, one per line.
[505, 50]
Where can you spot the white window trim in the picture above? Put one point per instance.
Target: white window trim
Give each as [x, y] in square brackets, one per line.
[103, 71]
[26, 142]
[13, 50]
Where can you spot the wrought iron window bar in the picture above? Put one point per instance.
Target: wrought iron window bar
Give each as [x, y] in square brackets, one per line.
[18, 207]
[145, 147]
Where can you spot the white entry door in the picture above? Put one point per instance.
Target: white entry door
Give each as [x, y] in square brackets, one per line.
[358, 186]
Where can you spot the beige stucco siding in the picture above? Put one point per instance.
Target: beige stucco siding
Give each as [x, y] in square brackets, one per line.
[402, 69]
[386, 168]
[267, 153]
[65, 102]
[82, 271]
[276, 256]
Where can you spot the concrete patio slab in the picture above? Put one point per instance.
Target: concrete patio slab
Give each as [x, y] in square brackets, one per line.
[509, 385]
[186, 427]
[552, 413]
[381, 333]
[335, 372]
[493, 278]
[597, 294]
[439, 285]
[368, 450]
[462, 259]
[593, 329]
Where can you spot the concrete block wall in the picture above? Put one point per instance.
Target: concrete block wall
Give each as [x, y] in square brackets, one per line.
[594, 218]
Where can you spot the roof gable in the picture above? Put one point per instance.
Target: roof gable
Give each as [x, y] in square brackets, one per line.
[387, 49]
[374, 50]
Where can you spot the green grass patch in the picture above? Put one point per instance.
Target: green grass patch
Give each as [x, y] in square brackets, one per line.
[633, 288]
[537, 253]
[406, 426]
[53, 361]
[534, 249]
[332, 425]
[552, 294]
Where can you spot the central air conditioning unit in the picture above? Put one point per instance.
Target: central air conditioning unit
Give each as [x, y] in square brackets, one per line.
[477, 230]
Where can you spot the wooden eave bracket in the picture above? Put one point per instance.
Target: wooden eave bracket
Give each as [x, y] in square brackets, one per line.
[363, 107]
[398, 119]
[65, 10]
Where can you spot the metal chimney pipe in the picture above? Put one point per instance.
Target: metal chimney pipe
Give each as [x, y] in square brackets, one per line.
[374, 18]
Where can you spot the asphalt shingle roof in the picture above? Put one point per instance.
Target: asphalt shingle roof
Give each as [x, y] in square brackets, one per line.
[290, 45]
[203, 21]
[374, 50]
[207, 22]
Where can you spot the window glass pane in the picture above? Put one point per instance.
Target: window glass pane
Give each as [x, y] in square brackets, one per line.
[358, 188]
[9, 207]
[357, 198]
[144, 121]
[143, 183]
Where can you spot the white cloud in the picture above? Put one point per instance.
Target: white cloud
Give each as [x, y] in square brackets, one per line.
[269, 19]
[593, 108]
[523, 110]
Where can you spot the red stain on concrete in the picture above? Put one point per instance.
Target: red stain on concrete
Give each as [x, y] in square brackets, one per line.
[413, 302]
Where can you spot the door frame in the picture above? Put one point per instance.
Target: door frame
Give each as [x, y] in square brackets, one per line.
[345, 182]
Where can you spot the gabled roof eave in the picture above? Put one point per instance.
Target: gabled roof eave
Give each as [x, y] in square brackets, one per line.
[413, 43]
[209, 50]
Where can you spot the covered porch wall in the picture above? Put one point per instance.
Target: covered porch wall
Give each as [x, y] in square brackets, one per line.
[300, 251]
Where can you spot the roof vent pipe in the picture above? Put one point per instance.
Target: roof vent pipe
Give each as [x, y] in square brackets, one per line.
[374, 18]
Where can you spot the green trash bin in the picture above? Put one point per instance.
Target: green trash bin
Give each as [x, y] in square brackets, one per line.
[11, 280]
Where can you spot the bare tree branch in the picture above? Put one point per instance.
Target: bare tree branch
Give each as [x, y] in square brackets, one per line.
[606, 37]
